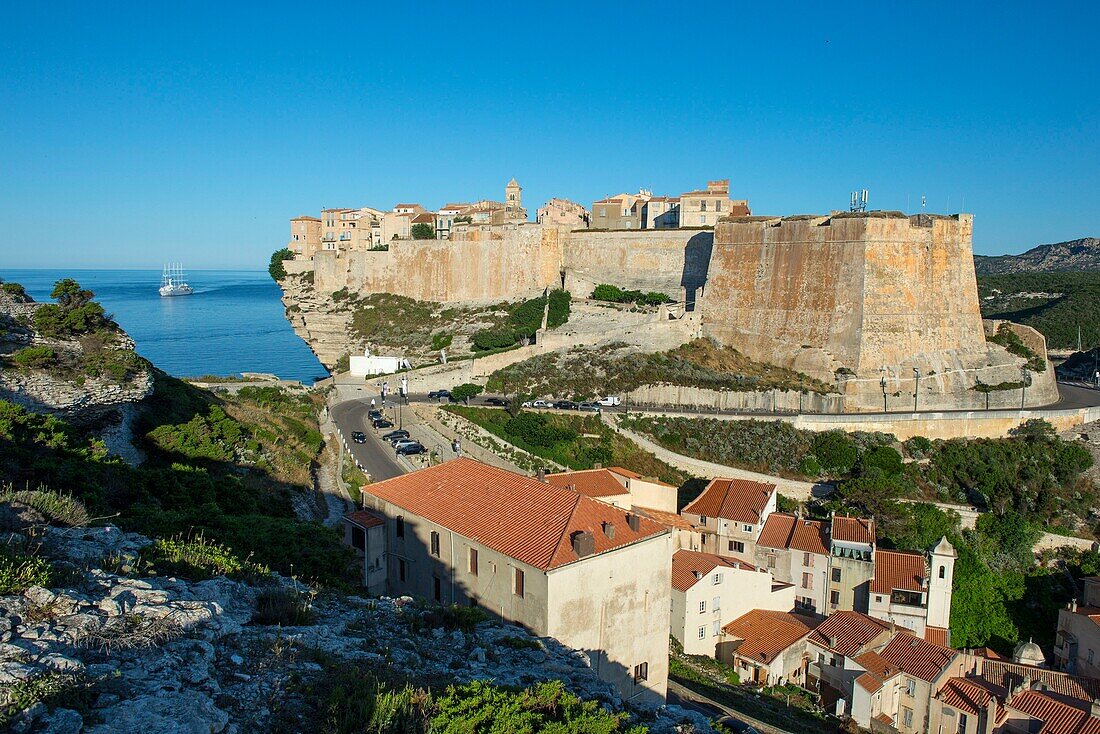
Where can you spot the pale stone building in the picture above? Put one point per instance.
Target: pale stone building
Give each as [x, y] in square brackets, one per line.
[709, 591]
[766, 647]
[595, 577]
[616, 212]
[705, 207]
[365, 532]
[563, 212]
[1077, 643]
[796, 550]
[913, 590]
[620, 487]
[305, 237]
[730, 514]
[446, 218]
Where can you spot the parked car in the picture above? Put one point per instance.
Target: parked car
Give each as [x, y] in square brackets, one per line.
[358, 437]
[393, 435]
[565, 405]
[440, 394]
[610, 401]
[411, 449]
[382, 423]
[542, 404]
[499, 402]
[398, 443]
[374, 414]
[591, 407]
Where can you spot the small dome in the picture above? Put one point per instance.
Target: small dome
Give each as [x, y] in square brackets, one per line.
[1028, 653]
[944, 548]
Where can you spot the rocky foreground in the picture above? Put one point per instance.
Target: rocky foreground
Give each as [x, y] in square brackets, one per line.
[111, 652]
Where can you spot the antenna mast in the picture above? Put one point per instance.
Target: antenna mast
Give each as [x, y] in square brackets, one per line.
[858, 201]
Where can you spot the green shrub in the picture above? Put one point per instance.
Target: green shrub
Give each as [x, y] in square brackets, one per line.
[884, 458]
[278, 605]
[275, 265]
[917, 446]
[465, 391]
[606, 292]
[14, 289]
[494, 338]
[355, 702]
[34, 357]
[526, 317]
[835, 451]
[20, 570]
[558, 310]
[441, 340]
[537, 430]
[810, 466]
[59, 508]
[422, 231]
[47, 688]
[196, 559]
[521, 643]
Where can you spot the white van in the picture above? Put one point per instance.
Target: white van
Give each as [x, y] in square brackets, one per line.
[609, 401]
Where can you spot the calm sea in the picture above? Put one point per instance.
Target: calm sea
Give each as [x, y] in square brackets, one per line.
[233, 323]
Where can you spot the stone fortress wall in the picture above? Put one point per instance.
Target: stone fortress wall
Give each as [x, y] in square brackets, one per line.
[851, 299]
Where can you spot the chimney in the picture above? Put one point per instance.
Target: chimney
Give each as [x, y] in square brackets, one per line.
[608, 530]
[1073, 605]
[541, 475]
[583, 543]
[597, 465]
[633, 522]
[832, 641]
[1095, 710]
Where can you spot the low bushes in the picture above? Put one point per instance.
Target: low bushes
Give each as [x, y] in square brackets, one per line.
[197, 559]
[614, 294]
[1011, 341]
[34, 357]
[57, 507]
[280, 606]
[275, 265]
[20, 570]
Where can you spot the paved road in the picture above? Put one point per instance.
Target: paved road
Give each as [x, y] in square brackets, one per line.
[683, 697]
[375, 456]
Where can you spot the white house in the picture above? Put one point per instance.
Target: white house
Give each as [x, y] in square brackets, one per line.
[373, 364]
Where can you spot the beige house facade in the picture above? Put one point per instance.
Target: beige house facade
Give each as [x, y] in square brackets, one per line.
[730, 514]
[561, 564]
[1077, 642]
[705, 207]
[563, 212]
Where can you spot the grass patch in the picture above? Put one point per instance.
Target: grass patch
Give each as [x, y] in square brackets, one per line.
[582, 374]
[59, 508]
[20, 570]
[280, 606]
[575, 441]
[197, 559]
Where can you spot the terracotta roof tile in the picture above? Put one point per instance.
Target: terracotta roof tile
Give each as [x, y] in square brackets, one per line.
[875, 665]
[846, 632]
[938, 635]
[1058, 716]
[765, 634]
[787, 531]
[516, 515]
[885, 719]
[740, 500]
[970, 695]
[635, 475]
[426, 217]
[306, 218]
[686, 564]
[1008, 675]
[853, 529]
[589, 482]
[897, 570]
[917, 657]
[668, 519]
[364, 519]
[868, 682]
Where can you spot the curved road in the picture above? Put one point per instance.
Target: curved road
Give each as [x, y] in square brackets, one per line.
[375, 456]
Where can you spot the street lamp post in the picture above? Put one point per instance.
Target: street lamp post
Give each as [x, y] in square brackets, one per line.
[1025, 380]
[916, 387]
[882, 382]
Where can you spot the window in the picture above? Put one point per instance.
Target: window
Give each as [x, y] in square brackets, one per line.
[703, 207]
[910, 687]
[641, 672]
[1090, 657]
[962, 723]
[702, 219]
[437, 588]
[746, 527]
[807, 559]
[836, 574]
[943, 570]
[400, 569]
[878, 599]
[702, 519]
[771, 560]
[834, 597]
[715, 628]
[702, 633]
[473, 561]
[358, 538]
[736, 546]
[907, 717]
[603, 211]
[807, 581]
[716, 579]
[702, 606]
[715, 603]
[517, 582]
[399, 527]
[435, 544]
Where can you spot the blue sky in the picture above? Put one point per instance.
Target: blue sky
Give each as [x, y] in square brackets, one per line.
[194, 131]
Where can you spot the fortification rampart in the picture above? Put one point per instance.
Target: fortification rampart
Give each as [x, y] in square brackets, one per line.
[673, 262]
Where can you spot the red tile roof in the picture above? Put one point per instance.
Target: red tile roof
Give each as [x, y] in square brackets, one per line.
[668, 519]
[970, 695]
[1008, 675]
[740, 500]
[897, 570]
[589, 482]
[787, 531]
[853, 529]
[876, 666]
[885, 719]
[686, 563]
[846, 632]
[405, 206]
[635, 475]
[518, 516]
[765, 634]
[426, 217]
[305, 217]
[364, 519]
[917, 657]
[869, 682]
[938, 635]
[1058, 716]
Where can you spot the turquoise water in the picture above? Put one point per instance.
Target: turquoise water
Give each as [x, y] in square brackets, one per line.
[233, 323]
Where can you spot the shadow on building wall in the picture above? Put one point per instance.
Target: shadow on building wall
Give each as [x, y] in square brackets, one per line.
[697, 254]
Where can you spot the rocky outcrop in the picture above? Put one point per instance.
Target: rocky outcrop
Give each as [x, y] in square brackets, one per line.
[162, 654]
[1082, 254]
[67, 387]
[317, 319]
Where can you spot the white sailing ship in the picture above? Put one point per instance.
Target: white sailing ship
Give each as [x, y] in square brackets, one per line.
[172, 282]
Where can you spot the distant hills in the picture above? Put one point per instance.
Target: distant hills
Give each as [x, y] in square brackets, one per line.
[1082, 254]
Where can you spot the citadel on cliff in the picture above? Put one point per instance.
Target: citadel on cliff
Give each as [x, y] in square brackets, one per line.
[882, 304]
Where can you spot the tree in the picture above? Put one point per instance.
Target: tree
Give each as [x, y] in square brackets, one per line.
[835, 451]
[494, 338]
[605, 292]
[275, 266]
[69, 295]
[465, 391]
[885, 458]
[423, 231]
